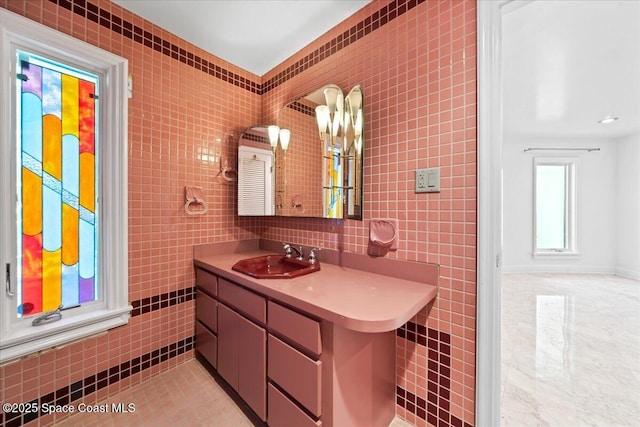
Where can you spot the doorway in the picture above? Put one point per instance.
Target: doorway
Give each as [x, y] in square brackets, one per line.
[494, 36]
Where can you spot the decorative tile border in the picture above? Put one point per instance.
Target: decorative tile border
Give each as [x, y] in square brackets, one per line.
[379, 18]
[120, 26]
[301, 108]
[127, 29]
[435, 410]
[157, 302]
[253, 137]
[79, 389]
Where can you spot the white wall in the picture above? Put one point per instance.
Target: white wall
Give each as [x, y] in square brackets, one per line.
[596, 206]
[628, 207]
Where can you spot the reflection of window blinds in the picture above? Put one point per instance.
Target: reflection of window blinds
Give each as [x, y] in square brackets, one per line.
[254, 183]
[251, 197]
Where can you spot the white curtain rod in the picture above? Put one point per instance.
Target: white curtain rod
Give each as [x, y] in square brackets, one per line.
[562, 149]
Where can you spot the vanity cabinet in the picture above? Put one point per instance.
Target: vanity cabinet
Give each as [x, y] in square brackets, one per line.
[235, 337]
[206, 316]
[241, 358]
[230, 335]
[242, 344]
[329, 337]
[294, 368]
[291, 367]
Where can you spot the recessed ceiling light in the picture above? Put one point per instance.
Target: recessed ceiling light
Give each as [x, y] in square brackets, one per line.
[608, 120]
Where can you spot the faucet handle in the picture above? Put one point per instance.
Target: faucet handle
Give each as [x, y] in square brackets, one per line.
[288, 250]
[313, 257]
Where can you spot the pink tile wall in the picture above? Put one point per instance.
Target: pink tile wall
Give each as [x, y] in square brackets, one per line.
[175, 117]
[418, 72]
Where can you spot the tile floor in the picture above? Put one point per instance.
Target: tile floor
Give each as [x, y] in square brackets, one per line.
[184, 396]
[570, 350]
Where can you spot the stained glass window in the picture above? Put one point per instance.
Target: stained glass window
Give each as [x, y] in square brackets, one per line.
[57, 182]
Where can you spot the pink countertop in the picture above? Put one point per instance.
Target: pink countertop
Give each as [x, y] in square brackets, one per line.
[354, 299]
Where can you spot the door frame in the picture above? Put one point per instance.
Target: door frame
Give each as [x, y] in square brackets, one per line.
[489, 212]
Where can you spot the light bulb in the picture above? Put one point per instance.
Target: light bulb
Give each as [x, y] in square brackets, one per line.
[331, 96]
[285, 134]
[322, 117]
[273, 136]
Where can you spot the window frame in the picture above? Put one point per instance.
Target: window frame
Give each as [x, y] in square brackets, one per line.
[17, 337]
[571, 247]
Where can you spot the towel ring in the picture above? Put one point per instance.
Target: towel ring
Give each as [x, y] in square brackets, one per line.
[229, 174]
[198, 212]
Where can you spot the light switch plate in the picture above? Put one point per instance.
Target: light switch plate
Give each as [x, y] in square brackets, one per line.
[428, 180]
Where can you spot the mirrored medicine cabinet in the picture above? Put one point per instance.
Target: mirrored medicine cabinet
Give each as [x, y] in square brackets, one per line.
[310, 164]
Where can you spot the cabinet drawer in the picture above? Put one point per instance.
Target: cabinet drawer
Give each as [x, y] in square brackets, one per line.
[284, 413]
[245, 301]
[295, 326]
[207, 282]
[295, 373]
[206, 344]
[206, 310]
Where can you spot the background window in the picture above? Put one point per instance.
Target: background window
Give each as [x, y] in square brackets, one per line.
[554, 206]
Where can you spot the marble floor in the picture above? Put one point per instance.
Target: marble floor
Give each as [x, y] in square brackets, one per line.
[570, 350]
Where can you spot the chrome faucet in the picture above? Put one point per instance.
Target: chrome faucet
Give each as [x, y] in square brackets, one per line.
[313, 257]
[288, 251]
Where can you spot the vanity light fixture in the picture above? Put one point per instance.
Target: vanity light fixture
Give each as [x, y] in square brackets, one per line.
[608, 120]
[273, 131]
[330, 117]
[284, 135]
[322, 117]
[358, 131]
[353, 104]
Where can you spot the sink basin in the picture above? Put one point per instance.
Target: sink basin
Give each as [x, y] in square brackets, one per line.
[275, 267]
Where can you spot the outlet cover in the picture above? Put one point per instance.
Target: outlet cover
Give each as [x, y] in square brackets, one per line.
[428, 180]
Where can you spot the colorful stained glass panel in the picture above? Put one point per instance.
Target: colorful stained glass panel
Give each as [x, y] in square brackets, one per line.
[57, 176]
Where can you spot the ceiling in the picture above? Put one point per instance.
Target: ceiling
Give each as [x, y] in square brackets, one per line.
[568, 64]
[256, 35]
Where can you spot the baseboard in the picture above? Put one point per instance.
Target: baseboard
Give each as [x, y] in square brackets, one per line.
[627, 273]
[568, 269]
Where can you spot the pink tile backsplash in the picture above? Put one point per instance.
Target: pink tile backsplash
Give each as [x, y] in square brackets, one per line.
[416, 61]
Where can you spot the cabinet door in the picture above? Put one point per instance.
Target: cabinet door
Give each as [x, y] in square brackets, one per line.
[252, 354]
[228, 338]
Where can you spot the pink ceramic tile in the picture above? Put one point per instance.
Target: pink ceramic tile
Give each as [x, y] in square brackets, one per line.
[418, 74]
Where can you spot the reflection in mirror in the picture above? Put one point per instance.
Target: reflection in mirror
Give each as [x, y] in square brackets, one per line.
[322, 178]
[299, 169]
[255, 172]
[352, 144]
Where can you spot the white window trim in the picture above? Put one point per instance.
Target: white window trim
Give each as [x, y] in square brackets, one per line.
[25, 34]
[572, 246]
